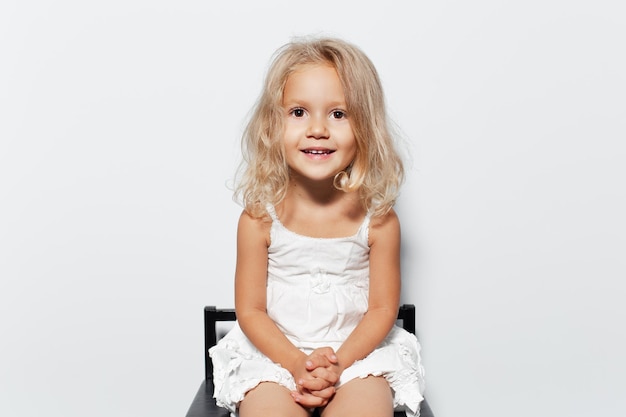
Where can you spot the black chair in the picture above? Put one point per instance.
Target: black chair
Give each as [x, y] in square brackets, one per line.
[204, 404]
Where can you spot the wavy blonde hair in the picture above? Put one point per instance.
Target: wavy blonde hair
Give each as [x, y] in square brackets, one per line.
[377, 170]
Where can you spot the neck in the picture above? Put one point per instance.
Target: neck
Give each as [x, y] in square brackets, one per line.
[320, 192]
[304, 195]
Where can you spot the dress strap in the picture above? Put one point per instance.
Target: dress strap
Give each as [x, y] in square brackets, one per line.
[271, 211]
[364, 229]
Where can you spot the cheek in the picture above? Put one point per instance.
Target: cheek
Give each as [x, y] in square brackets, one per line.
[290, 131]
[352, 143]
[353, 155]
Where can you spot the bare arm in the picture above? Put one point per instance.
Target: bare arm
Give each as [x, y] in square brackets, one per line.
[384, 292]
[251, 302]
[250, 293]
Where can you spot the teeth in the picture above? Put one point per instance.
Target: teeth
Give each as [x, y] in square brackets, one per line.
[317, 151]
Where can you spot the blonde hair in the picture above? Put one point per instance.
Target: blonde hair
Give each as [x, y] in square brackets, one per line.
[377, 170]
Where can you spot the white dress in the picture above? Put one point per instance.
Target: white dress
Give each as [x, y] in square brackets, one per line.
[317, 292]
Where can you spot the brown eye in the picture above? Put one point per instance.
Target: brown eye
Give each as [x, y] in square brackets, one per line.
[297, 112]
[338, 114]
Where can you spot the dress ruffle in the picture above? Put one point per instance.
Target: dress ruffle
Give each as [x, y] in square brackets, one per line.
[240, 367]
[398, 360]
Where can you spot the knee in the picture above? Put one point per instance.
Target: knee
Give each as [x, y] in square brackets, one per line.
[369, 397]
[270, 399]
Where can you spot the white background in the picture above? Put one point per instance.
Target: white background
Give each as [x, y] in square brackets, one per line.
[119, 132]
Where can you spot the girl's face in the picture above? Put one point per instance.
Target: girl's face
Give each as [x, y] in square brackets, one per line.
[317, 137]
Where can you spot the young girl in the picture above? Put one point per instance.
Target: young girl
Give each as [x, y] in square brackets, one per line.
[317, 282]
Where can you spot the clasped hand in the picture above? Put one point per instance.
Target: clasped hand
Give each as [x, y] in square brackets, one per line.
[316, 376]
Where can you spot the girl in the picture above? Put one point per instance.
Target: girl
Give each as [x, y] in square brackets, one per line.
[317, 281]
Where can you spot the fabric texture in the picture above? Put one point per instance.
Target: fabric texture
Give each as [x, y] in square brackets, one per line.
[317, 293]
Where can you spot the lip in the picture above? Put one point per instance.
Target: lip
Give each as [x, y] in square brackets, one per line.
[317, 151]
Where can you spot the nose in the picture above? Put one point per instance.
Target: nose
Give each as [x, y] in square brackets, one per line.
[317, 128]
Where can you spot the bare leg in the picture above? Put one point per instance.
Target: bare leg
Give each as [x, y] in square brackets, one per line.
[368, 397]
[270, 399]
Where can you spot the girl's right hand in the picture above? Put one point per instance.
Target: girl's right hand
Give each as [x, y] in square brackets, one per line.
[316, 386]
[323, 364]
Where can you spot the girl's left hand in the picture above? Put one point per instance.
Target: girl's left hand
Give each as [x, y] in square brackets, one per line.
[311, 400]
[323, 363]
[323, 367]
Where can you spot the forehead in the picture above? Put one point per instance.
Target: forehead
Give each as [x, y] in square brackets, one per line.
[315, 81]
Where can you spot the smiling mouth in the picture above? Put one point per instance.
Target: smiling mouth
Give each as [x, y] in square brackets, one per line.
[318, 151]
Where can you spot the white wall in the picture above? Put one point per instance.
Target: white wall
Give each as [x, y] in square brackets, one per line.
[119, 126]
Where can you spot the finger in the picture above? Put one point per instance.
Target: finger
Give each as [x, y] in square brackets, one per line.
[329, 353]
[325, 393]
[326, 374]
[308, 399]
[316, 360]
[314, 384]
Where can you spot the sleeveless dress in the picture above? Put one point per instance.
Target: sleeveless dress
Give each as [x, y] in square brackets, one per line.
[317, 293]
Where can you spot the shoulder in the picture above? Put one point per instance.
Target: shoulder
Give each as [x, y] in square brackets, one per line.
[385, 228]
[254, 229]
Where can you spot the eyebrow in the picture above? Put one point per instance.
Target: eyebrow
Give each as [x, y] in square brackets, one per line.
[304, 103]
